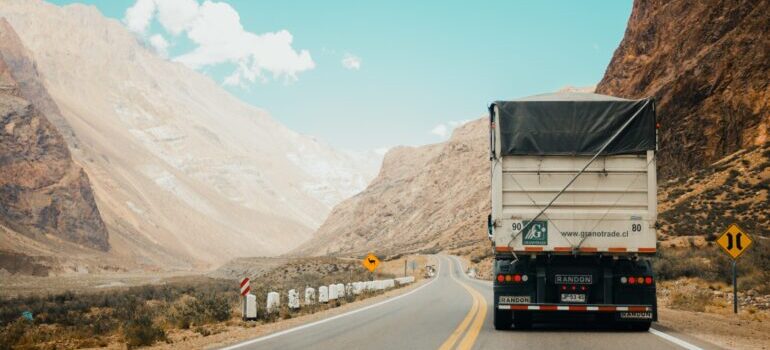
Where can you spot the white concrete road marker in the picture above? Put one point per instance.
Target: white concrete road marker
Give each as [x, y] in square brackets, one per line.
[309, 296]
[305, 326]
[323, 294]
[273, 302]
[293, 299]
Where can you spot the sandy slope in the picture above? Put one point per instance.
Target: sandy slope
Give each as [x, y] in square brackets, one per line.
[182, 171]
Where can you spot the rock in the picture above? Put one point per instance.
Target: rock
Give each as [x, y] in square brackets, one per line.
[705, 62]
[42, 190]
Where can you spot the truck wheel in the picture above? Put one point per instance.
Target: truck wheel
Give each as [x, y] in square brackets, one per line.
[641, 326]
[522, 320]
[502, 319]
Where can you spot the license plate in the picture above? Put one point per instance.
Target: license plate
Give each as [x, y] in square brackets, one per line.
[573, 298]
[636, 315]
[514, 299]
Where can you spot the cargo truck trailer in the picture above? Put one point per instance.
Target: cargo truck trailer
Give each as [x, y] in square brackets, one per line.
[573, 209]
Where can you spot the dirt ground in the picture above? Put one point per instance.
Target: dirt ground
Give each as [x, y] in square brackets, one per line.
[18, 285]
[742, 331]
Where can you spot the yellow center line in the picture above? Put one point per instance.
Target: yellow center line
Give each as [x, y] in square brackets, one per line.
[473, 331]
[476, 314]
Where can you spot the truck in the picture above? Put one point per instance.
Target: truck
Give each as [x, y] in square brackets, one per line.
[573, 214]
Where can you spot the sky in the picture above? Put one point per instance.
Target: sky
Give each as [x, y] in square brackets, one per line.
[368, 75]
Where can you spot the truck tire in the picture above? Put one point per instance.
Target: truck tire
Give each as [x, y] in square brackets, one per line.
[503, 319]
[522, 320]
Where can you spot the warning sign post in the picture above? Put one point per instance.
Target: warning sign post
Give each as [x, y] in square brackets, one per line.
[734, 241]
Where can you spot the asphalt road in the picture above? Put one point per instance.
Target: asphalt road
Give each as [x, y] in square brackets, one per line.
[453, 312]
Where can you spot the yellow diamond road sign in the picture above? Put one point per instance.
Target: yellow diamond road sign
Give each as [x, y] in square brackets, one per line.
[370, 262]
[734, 241]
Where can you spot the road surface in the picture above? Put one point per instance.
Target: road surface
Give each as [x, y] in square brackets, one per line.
[452, 311]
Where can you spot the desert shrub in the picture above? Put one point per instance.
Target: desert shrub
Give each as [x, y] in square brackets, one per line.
[215, 308]
[675, 193]
[756, 281]
[695, 300]
[13, 333]
[202, 331]
[183, 313]
[141, 331]
[190, 311]
[673, 264]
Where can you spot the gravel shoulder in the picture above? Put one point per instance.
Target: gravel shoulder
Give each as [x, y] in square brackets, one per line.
[742, 331]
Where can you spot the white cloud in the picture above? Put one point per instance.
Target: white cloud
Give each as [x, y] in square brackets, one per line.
[351, 62]
[443, 130]
[215, 28]
[160, 44]
[138, 17]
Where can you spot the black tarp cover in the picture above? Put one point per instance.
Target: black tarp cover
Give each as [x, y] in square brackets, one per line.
[574, 124]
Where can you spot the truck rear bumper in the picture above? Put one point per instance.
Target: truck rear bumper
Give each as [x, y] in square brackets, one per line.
[576, 308]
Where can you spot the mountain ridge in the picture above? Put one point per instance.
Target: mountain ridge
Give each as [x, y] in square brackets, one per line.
[185, 174]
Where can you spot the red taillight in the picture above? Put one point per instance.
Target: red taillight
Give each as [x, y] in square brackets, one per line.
[517, 278]
[648, 280]
[500, 278]
[574, 288]
[583, 288]
[631, 280]
[563, 287]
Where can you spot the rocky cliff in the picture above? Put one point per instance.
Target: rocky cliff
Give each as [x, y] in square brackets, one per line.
[707, 64]
[427, 198]
[42, 191]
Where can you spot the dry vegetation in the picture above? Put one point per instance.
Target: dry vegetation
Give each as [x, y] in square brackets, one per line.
[695, 210]
[732, 190]
[144, 315]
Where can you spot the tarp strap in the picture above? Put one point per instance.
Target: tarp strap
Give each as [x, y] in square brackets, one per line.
[614, 136]
[492, 132]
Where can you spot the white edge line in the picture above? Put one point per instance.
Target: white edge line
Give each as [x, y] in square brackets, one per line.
[308, 325]
[675, 340]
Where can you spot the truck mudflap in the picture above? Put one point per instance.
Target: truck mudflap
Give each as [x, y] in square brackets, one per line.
[623, 312]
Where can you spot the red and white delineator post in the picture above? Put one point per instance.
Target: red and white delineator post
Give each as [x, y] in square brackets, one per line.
[249, 301]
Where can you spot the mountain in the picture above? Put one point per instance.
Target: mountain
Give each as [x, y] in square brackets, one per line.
[183, 173]
[46, 198]
[735, 189]
[427, 198]
[707, 64]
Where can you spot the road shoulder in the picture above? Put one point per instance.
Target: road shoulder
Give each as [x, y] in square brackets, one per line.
[235, 331]
[725, 330]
